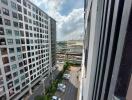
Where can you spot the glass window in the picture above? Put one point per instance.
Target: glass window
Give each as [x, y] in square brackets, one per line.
[4, 2]
[10, 85]
[7, 69]
[22, 33]
[15, 24]
[1, 81]
[17, 41]
[5, 11]
[9, 32]
[19, 1]
[3, 51]
[25, 3]
[10, 41]
[8, 77]
[23, 77]
[25, 11]
[7, 22]
[20, 16]
[5, 60]
[1, 31]
[18, 49]
[17, 88]
[14, 15]
[13, 5]
[20, 25]
[19, 57]
[11, 50]
[1, 22]
[12, 59]
[15, 74]
[23, 41]
[16, 33]
[19, 8]
[2, 41]
[14, 66]
[16, 81]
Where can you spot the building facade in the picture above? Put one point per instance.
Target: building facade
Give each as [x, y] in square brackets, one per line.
[53, 42]
[25, 47]
[106, 64]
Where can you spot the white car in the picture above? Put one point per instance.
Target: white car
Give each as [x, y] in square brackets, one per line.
[55, 98]
[66, 76]
[61, 87]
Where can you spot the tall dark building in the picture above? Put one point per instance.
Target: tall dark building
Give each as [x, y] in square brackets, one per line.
[107, 54]
[53, 42]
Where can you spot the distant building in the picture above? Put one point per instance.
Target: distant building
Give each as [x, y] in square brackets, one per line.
[107, 53]
[70, 50]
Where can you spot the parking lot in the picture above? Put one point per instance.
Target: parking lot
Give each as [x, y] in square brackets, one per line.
[71, 85]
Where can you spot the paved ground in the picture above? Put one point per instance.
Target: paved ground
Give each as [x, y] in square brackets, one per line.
[71, 86]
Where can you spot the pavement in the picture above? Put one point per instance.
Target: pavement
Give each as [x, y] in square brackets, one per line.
[71, 86]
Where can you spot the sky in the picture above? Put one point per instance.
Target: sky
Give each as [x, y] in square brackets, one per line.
[68, 15]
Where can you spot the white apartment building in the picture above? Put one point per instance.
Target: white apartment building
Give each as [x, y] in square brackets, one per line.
[25, 47]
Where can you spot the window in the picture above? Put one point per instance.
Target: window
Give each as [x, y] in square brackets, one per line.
[5, 60]
[11, 50]
[7, 69]
[1, 81]
[25, 11]
[17, 88]
[1, 22]
[13, 5]
[16, 33]
[25, 19]
[16, 81]
[7, 22]
[9, 32]
[23, 77]
[21, 71]
[18, 49]
[29, 13]
[15, 74]
[22, 33]
[3, 51]
[5, 11]
[19, 8]
[20, 25]
[17, 41]
[10, 41]
[26, 26]
[10, 85]
[15, 24]
[23, 41]
[23, 48]
[2, 41]
[4, 2]
[14, 15]
[8, 77]
[20, 16]
[19, 57]
[14, 66]
[12, 59]
[25, 3]
[1, 31]
[19, 1]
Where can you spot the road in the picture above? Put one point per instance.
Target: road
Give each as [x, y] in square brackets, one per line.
[71, 86]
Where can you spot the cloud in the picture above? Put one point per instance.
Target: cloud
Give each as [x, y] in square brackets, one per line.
[69, 26]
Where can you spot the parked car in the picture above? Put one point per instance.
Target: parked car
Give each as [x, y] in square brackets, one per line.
[66, 76]
[55, 98]
[61, 87]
